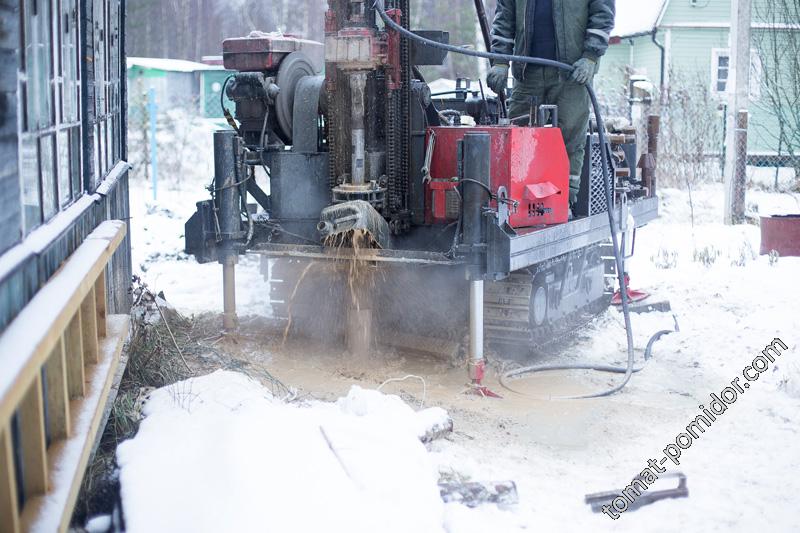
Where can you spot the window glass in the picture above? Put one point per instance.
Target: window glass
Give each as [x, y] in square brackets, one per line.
[29, 171]
[109, 143]
[64, 176]
[38, 64]
[69, 59]
[721, 71]
[75, 156]
[98, 171]
[48, 173]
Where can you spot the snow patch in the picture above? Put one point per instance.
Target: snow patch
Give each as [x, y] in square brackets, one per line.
[174, 65]
[219, 453]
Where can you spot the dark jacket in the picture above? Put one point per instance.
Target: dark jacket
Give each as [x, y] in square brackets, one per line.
[583, 28]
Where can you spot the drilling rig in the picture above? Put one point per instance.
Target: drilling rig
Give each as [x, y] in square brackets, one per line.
[464, 213]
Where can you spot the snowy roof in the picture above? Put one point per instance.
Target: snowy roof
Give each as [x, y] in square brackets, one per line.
[172, 65]
[636, 17]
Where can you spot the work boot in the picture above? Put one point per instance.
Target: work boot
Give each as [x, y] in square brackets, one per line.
[574, 187]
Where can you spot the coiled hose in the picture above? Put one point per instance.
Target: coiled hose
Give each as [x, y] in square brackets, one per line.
[629, 369]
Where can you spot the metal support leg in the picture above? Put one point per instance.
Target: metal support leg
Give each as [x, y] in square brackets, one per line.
[477, 364]
[229, 319]
[475, 323]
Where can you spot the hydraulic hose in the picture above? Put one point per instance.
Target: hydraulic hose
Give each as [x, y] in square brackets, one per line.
[648, 353]
[508, 58]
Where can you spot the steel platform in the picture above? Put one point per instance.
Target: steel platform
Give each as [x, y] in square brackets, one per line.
[509, 250]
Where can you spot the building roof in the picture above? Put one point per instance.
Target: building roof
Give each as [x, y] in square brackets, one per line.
[171, 65]
[637, 17]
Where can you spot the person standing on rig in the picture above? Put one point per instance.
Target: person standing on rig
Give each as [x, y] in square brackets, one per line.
[570, 31]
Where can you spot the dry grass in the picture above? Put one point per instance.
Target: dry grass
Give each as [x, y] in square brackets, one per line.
[165, 347]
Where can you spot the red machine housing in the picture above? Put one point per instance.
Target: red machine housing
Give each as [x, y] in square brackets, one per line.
[531, 163]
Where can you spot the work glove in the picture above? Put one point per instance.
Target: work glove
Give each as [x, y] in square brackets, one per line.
[584, 71]
[497, 79]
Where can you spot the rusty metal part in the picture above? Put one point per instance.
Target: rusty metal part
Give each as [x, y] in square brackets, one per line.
[781, 234]
[264, 52]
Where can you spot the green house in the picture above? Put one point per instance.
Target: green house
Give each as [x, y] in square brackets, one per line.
[211, 83]
[656, 40]
[178, 84]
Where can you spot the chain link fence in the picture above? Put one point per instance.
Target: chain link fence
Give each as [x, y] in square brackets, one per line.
[696, 146]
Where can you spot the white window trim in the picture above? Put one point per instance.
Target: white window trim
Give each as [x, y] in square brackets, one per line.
[756, 73]
[716, 53]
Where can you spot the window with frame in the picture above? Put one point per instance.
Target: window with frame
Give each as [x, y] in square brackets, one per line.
[721, 72]
[107, 129]
[50, 140]
[721, 69]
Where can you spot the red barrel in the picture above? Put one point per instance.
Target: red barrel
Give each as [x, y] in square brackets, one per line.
[782, 234]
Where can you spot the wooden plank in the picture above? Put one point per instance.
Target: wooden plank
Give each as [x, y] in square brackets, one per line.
[32, 439]
[23, 348]
[73, 345]
[9, 509]
[55, 371]
[100, 303]
[89, 328]
[71, 456]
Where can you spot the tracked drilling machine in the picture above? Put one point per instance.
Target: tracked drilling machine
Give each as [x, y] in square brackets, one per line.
[464, 214]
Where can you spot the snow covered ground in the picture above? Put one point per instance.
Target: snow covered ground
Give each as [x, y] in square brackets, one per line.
[157, 236]
[233, 458]
[220, 454]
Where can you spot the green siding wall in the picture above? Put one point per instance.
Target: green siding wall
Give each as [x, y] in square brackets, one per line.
[682, 11]
[691, 49]
[706, 11]
[646, 60]
[690, 57]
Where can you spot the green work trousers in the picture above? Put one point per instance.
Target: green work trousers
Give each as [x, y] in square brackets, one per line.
[551, 87]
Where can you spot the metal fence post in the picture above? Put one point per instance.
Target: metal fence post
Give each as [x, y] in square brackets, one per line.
[152, 110]
[736, 177]
[739, 185]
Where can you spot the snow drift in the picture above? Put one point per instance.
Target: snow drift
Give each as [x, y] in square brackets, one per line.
[219, 453]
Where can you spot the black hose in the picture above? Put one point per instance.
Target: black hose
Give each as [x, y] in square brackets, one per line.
[508, 58]
[648, 353]
[222, 94]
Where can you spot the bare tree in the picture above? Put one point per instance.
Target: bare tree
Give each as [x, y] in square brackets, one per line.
[190, 29]
[691, 131]
[778, 45]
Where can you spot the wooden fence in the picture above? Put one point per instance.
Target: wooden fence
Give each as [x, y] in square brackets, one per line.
[58, 359]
